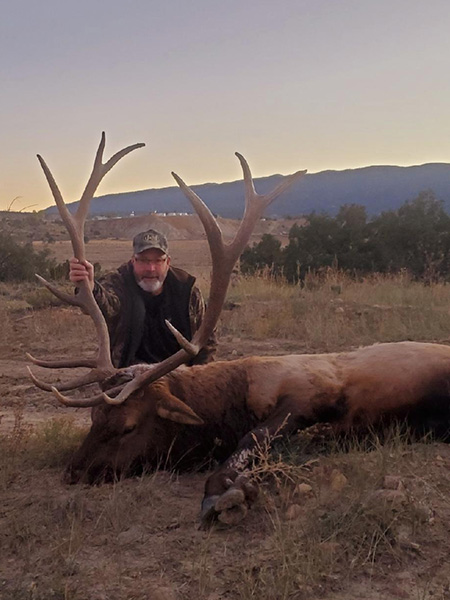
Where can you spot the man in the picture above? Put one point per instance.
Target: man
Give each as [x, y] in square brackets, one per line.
[138, 297]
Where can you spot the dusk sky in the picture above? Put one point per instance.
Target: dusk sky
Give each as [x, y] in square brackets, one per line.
[291, 84]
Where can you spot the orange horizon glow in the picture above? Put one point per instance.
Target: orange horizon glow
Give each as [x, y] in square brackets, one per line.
[294, 85]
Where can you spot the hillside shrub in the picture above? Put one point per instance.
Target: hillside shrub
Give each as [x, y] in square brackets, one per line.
[20, 262]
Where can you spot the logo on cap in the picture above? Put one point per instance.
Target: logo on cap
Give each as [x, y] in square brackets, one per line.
[149, 239]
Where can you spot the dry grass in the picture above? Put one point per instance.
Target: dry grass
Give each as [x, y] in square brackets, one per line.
[138, 539]
[48, 446]
[118, 541]
[332, 312]
[50, 531]
[338, 516]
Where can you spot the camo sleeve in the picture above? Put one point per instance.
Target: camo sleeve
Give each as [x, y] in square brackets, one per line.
[105, 294]
[196, 312]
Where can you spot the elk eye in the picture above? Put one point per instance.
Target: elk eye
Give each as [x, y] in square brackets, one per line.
[129, 428]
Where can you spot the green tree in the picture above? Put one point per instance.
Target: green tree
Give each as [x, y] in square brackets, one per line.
[266, 253]
[416, 238]
[322, 242]
[309, 247]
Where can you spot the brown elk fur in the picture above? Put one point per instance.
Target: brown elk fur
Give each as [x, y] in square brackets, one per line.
[222, 410]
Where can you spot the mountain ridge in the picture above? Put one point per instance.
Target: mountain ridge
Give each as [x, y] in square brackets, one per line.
[377, 187]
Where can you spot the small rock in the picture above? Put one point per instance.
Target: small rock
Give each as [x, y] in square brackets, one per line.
[393, 482]
[162, 593]
[303, 489]
[330, 547]
[130, 536]
[293, 512]
[424, 515]
[404, 532]
[397, 591]
[409, 545]
[338, 481]
[310, 463]
[395, 497]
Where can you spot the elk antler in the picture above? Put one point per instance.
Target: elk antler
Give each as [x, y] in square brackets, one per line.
[224, 257]
[101, 366]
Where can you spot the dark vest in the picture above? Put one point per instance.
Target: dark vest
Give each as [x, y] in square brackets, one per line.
[145, 315]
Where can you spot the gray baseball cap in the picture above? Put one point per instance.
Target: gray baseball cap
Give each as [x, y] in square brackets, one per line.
[150, 239]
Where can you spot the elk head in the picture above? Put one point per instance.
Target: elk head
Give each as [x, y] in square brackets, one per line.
[132, 409]
[126, 438]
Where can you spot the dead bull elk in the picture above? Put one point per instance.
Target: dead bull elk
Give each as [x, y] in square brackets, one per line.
[140, 405]
[178, 417]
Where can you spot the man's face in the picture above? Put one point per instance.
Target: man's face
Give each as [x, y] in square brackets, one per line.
[150, 269]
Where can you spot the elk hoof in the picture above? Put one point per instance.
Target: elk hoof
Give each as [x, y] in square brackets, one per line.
[233, 515]
[228, 508]
[229, 499]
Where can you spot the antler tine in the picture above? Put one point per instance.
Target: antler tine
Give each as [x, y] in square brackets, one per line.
[64, 296]
[89, 363]
[98, 172]
[102, 366]
[62, 208]
[210, 225]
[255, 205]
[224, 257]
[68, 385]
[83, 402]
[188, 346]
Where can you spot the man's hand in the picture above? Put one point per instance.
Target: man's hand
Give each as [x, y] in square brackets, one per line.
[81, 271]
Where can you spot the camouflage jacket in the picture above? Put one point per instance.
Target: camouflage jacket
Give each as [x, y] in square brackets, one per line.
[123, 305]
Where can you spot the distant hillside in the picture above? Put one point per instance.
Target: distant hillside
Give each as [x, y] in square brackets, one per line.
[378, 188]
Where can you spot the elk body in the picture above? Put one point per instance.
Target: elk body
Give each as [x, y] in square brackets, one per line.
[223, 410]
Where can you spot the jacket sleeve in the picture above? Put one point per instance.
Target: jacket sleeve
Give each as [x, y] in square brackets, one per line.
[106, 294]
[196, 313]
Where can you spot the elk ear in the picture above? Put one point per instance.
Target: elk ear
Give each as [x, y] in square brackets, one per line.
[173, 409]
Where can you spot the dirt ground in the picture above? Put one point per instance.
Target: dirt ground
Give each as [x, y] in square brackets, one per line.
[139, 539]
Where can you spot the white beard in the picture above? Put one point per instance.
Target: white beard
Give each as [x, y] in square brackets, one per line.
[152, 286]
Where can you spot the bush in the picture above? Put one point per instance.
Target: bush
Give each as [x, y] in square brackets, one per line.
[20, 262]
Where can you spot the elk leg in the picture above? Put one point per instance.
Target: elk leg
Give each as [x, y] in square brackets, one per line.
[229, 491]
